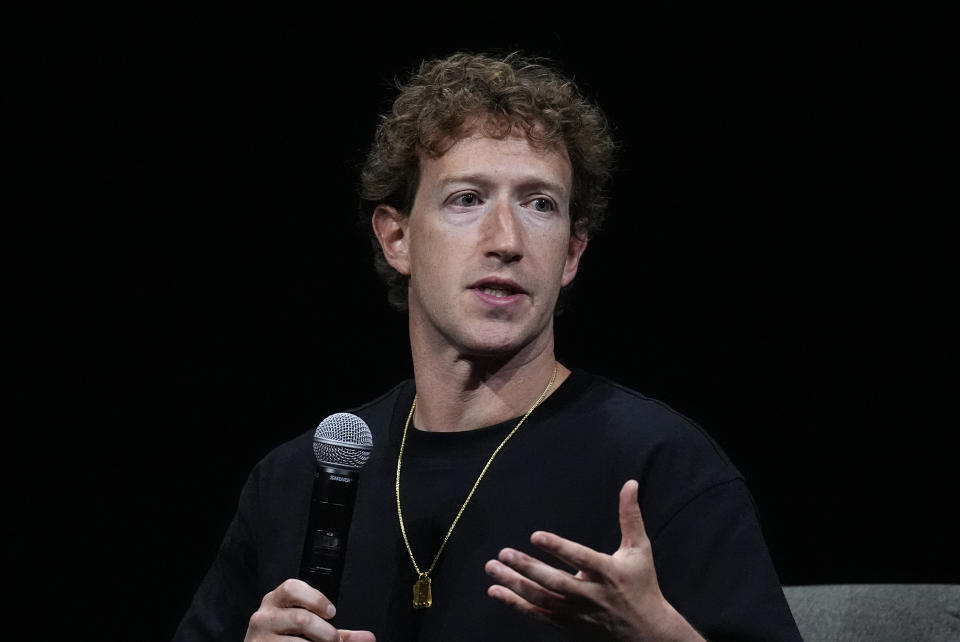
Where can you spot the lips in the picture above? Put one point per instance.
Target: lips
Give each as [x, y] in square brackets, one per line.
[498, 292]
[497, 287]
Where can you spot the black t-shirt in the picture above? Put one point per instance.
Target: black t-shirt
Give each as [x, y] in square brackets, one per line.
[561, 472]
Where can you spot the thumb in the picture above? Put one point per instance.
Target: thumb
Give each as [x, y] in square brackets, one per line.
[632, 532]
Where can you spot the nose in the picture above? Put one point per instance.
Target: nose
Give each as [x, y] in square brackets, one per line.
[502, 236]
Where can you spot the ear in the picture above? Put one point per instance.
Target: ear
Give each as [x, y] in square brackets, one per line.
[390, 228]
[578, 243]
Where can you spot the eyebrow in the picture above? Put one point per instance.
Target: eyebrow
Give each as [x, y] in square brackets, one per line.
[533, 183]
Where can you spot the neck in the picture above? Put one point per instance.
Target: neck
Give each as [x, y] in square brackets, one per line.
[459, 393]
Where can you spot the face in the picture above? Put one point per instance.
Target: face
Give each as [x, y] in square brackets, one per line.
[487, 246]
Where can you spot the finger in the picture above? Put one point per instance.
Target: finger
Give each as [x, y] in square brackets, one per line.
[632, 532]
[292, 622]
[511, 599]
[356, 636]
[550, 578]
[571, 553]
[297, 593]
[530, 591]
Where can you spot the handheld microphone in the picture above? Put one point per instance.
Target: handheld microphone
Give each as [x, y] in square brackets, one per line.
[341, 444]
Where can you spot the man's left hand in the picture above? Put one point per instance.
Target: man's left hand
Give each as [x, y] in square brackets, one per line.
[618, 593]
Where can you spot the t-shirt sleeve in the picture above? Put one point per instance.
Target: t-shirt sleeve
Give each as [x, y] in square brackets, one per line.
[225, 600]
[717, 571]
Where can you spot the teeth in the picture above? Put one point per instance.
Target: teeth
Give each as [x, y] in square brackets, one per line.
[496, 292]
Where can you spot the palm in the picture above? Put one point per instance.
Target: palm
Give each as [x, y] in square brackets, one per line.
[615, 594]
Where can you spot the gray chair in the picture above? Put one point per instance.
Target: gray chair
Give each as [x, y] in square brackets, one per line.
[876, 612]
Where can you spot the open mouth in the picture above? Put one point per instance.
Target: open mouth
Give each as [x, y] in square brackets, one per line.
[498, 292]
[497, 288]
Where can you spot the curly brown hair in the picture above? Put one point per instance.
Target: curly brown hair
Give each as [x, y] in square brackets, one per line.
[499, 94]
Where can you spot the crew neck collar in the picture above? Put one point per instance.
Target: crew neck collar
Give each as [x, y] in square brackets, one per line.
[553, 404]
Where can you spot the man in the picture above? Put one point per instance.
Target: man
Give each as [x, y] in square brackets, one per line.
[507, 497]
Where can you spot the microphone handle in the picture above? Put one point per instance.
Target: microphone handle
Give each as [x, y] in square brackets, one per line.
[331, 509]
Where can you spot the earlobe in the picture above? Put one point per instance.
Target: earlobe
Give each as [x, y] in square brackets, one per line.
[390, 228]
[578, 243]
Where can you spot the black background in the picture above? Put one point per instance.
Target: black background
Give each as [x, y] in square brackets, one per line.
[190, 286]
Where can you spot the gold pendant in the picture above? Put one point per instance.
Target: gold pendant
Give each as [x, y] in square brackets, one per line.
[422, 595]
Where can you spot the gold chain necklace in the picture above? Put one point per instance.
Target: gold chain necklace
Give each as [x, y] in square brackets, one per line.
[422, 593]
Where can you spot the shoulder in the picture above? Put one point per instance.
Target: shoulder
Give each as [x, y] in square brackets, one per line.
[614, 411]
[378, 413]
[674, 459]
[296, 455]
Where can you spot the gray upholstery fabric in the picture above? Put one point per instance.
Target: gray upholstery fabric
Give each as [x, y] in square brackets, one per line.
[876, 612]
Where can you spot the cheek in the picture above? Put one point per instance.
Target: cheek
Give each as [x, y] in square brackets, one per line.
[435, 254]
[559, 245]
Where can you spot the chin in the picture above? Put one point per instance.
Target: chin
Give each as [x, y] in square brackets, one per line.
[494, 345]
[488, 348]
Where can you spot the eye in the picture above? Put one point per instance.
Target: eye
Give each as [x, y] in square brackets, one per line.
[542, 204]
[467, 199]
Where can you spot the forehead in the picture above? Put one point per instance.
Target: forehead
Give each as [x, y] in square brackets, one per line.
[511, 158]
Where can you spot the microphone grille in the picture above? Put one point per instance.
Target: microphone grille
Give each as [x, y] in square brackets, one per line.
[343, 439]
